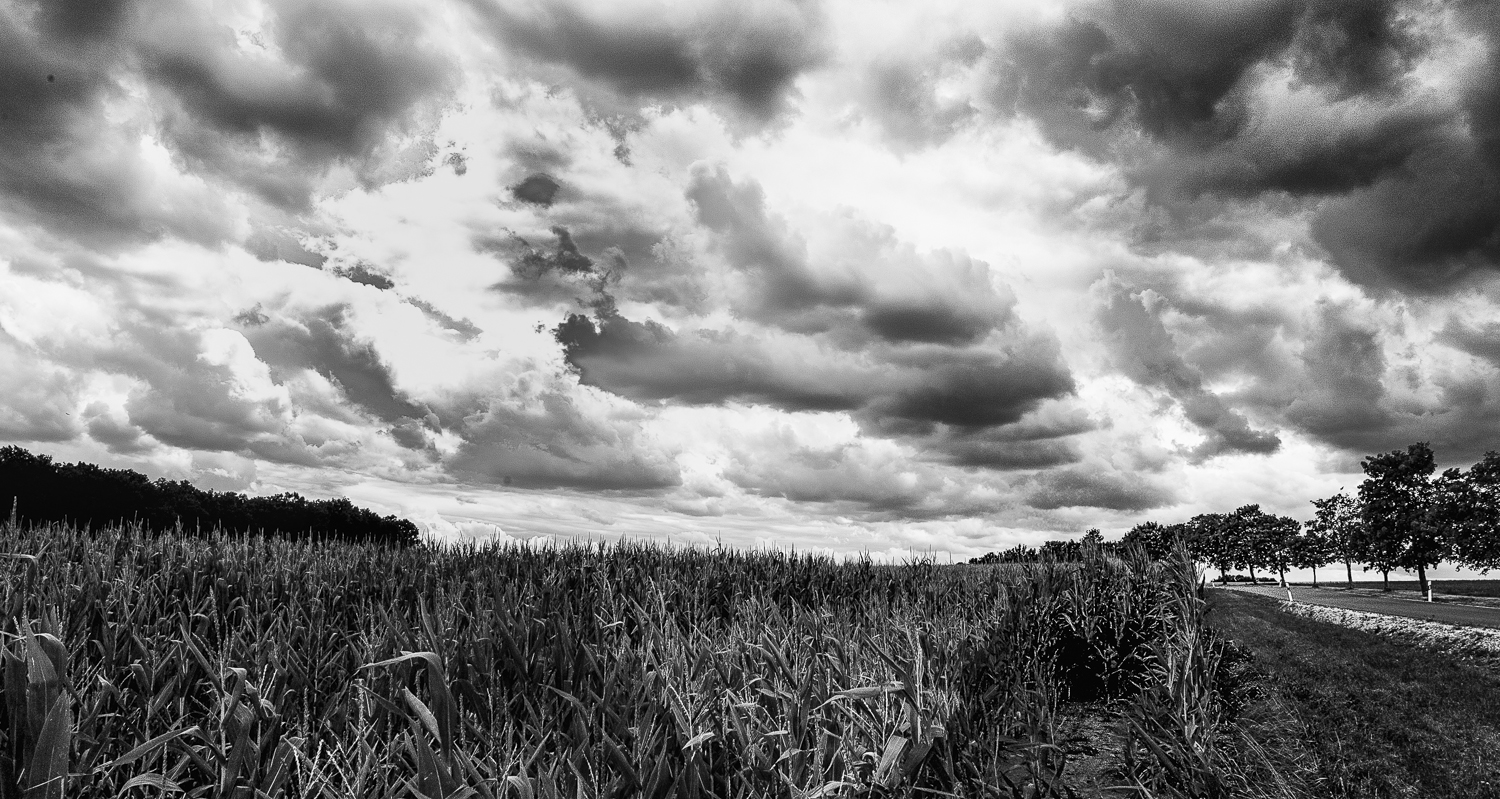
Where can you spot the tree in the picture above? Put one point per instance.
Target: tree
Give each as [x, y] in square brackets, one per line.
[1260, 539]
[1156, 539]
[1208, 540]
[1469, 508]
[1311, 550]
[1337, 521]
[87, 495]
[1400, 508]
[1272, 539]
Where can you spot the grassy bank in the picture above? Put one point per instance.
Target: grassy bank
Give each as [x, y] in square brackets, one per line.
[1384, 719]
[145, 665]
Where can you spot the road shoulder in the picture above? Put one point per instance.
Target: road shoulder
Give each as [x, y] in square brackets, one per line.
[1466, 615]
[1468, 643]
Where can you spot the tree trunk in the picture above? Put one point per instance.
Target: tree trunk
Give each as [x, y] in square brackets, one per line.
[1349, 568]
[1422, 583]
[1315, 577]
[1385, 575]
[1281, 573]
[1223, 576]
[1252, 576]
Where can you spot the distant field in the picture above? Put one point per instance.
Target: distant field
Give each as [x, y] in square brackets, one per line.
[1463, 587]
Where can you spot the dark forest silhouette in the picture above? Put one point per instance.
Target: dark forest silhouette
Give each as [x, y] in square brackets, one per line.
[41, 491]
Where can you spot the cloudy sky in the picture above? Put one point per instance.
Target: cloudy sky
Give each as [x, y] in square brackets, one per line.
[851, 275]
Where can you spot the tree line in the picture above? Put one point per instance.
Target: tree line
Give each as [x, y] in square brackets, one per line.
[1053, 551]
[40, 491]
[1402, 516]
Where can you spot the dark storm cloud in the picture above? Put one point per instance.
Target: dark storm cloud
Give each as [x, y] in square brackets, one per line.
[942, 299]
[923, 348]
[115, 433]
[976, 451]
[1144, 350]
[973, 388]
[1080, 486]
[63, 163]
[648, 361]
[1342, 397]
[536, 189]
[1179, 70]
[747, 54]
[39, 400]
[352, 74]
[900, 390]
[462, 328]
[273, 244]
[1481, 341]
[1405, 184]
[588, 236]
[185, 400]
[836, 475]
[550, 443]
[1323, 373]
[1041, 440]
[82, 20]
[365, 275]
[70, 162]
[559, 273]
[324, 342]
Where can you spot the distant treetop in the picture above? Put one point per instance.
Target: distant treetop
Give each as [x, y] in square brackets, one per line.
[84, 494]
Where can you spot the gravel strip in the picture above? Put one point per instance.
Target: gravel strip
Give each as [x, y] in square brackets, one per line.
[1474, 643]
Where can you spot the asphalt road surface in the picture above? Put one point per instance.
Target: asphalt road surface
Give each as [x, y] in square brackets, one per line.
[1412, 608]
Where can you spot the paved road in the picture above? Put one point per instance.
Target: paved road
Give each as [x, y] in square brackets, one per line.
[1466, 615]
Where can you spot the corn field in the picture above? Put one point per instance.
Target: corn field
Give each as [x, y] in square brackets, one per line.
[146, 665]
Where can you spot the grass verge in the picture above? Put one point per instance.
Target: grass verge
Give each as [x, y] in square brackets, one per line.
[1385, 719]
[1487, 588]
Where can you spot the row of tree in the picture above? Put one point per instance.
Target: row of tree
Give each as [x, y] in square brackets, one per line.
[1053, 551]
[41, 491]
[1402, 517]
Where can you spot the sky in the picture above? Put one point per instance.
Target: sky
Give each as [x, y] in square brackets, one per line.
[899, 278]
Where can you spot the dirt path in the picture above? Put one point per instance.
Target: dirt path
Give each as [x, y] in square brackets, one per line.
[1446, 612]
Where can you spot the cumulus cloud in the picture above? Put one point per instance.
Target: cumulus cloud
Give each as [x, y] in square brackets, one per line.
[850, 475]
[1366, 113]
[325, 342]
[70, 156]
[203, 391]
[89, 91]
[39, 397]
[315, 85]
[540, 437]
[1096, 487]
[856, 279]
[1145, 351]
[902, 389]
[1042, 439]
[1351, 373]
[1341, 398]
